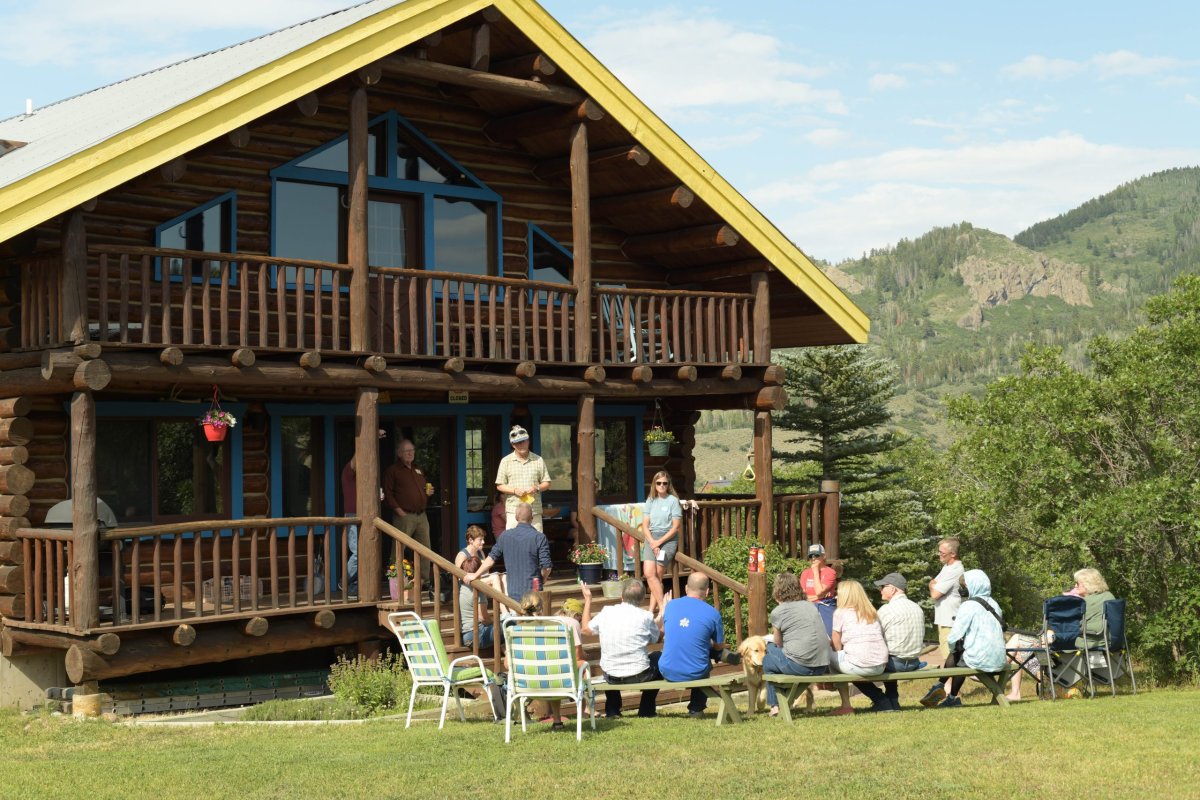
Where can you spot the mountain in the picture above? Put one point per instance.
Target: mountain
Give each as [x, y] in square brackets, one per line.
[956, 306]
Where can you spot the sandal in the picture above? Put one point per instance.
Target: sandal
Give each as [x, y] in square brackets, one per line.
[774, 712]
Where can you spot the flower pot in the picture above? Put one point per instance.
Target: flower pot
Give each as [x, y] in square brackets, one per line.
[591, 573]
[659, 449]
[612, 589]
[215, 432]
[394, 588]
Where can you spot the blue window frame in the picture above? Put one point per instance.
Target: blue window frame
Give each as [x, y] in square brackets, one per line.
[426, 210]
[210, 228]
[549, 261]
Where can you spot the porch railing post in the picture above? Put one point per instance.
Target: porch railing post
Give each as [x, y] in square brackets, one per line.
[764, 483]
[756, 582]
[833, 502]
[581, 240]
[74, 280]
[585, 470]
[85, 566]
[356, 239]
[762, 318]
[366, 467]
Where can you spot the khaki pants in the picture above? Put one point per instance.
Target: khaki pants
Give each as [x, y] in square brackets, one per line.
[510, 520]
[416, 526]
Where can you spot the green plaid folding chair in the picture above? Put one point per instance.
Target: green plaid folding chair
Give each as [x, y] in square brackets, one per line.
[542, 664]
[425, 653]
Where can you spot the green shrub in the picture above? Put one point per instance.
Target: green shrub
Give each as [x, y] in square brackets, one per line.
[730, 555]
[309, 708]
[371, 684]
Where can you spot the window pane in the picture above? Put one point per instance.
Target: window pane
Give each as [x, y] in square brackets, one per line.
[123, 468]
[301, 473]
[210, 231]
[189, 470]
[336, 158]
[392, 232]
[306, 223]
[613, 457]
[461, 236]
[547, 260]
[556, 450]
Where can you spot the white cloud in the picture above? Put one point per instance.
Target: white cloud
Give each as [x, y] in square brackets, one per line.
[1107, 66]
[723, 65]
[843, 208]
[825, 137]
[887, 80]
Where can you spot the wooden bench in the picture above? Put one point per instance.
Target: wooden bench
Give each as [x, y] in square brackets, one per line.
[716, 686]
[797, 683]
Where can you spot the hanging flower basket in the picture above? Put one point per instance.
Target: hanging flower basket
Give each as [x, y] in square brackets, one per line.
[659, 449]
[215, 432]
[658, 441]
[217, 422]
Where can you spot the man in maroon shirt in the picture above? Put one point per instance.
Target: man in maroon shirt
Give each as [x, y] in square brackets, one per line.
[406, 492]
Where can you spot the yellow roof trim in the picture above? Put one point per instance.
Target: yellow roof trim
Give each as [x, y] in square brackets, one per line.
[677, 156]
[74, 180]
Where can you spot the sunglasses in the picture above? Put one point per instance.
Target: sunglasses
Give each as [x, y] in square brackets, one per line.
[662, 483]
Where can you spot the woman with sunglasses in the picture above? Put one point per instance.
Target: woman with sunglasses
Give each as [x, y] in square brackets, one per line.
[661, 523]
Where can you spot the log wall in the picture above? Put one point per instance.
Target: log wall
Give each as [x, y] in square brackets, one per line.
[18, 483]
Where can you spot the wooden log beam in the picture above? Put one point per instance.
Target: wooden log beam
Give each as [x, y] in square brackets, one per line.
[454, 365]
[774, 375]
[770, 398]
[541, 120]
[764, 484]
[526, 369]
[324, 619]
[239, 137]
[369, 75]
[638, 203]
[685, 240]
[718, 271]
[308, 105]
[10, 525]
[74, 279]
[12, 552]
[13, 605]
[595, 374]
[173, 170]
[183, 635]
[585, 468]
[356, 222]
[13, 455]
[481, 47]
[85, 585]
[150, 654]
[170, 356]
[581, 241]
[687, 373]
[139, 371]
[255, 626]
[59, 369]
[15, 431]
[16, 479]
[642, 373]
[374, 364]
[762, 317]
[555, 169]
[12, 579]
[366, 471]
[731, 372]
[15, 406]
[242, 357]
[13, 505]
[87, 350]
[408, 67]
[531, 66]
[106, 643]
[310, 359]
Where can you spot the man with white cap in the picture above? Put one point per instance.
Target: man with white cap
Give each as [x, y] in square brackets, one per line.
[903, 624]
[819, 584]
[521, 478]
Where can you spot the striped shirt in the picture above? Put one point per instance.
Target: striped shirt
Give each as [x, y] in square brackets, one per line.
[903, 624]
[625, 631]
[514, 472]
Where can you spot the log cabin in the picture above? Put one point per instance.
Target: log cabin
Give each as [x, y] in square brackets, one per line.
[432, 218]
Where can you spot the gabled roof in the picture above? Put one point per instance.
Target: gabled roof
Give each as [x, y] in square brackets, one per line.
[83, 146]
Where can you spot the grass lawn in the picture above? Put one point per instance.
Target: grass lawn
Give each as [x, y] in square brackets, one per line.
[1144, 746]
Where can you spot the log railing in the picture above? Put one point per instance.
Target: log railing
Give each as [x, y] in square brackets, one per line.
[41, 301]
[802, 520]
[162, 297]
[447, 315]
[799, 520]
[413, 599]
[660, 326]
[213, 569]
[719, 582]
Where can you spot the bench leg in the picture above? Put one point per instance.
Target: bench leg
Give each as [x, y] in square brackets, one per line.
[996, 685]
[786, 699]
[726, 707]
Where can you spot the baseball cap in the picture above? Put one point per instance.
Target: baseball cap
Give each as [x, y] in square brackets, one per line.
[893, 579]
[518, 434]
[816, 550]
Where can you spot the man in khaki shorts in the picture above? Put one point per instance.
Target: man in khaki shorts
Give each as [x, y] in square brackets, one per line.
[946, 600]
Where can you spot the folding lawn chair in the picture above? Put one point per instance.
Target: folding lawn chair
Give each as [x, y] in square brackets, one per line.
[1113, 643]
[1063, 615]
[1025, 656]
[542, 664]
[421, 643]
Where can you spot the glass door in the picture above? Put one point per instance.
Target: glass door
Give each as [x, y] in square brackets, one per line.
[436, 456]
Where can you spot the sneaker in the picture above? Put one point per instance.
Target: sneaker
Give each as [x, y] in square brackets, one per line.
[934, 696]
[558, 726]
[695, 713]
[950, 702]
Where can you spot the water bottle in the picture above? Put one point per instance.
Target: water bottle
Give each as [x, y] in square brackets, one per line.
[537, 583]
[753, 565]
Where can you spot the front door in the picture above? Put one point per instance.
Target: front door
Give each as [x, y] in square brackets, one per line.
[437, 456]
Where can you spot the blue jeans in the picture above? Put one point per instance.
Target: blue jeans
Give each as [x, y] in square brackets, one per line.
[775, 662]
[889, 697]
[486, 634]
[350, 581]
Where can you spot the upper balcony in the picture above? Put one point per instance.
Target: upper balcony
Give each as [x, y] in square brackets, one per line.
[141, 297]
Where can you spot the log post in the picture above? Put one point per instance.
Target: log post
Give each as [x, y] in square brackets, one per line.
[356, 234]
[833, 505]
[764, 484]
[184, 635]
[762, 318]
[366, 467]
[585, 470]
[756, 582]
[581, 242]
[74, 279]
[85, 567]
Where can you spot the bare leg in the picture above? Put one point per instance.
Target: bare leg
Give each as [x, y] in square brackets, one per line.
[653, 573]
[1014, 692]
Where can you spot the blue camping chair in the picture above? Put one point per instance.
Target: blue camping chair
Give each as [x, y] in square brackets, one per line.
[1113, 643]
[1063, 616]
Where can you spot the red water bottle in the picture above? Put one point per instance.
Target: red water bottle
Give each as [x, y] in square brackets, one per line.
[753, 565]
[537, 583]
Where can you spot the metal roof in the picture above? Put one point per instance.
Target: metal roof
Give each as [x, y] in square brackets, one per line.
[60, 130]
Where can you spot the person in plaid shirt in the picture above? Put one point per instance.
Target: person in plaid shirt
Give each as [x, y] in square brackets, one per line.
[903, 624]
[521, 478]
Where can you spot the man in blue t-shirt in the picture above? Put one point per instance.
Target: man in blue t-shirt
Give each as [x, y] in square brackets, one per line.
[692, 630]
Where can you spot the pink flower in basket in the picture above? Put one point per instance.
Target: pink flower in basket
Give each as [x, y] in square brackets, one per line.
[218, 418]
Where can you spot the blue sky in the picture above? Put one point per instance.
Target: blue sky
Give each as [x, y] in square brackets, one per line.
[850, 126]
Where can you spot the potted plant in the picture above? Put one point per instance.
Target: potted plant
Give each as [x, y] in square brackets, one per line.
[658, 440]
[590, 558]
[393, 576]
[217, 423]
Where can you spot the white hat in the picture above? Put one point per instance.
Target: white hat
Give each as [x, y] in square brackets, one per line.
[816, 550]
[518, 434]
